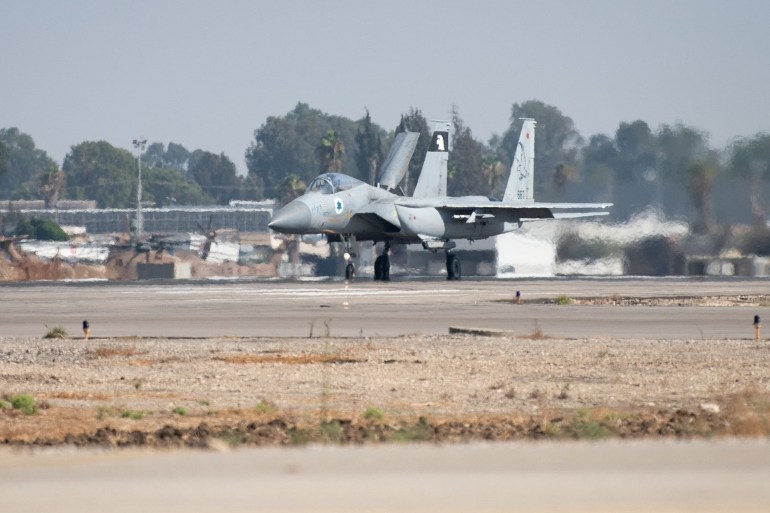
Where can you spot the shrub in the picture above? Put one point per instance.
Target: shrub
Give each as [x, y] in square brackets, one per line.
[132, 414]
[563, 300]
[25, 404]
[180, 410]
[373, 413]
[40, 229]
[332, 432]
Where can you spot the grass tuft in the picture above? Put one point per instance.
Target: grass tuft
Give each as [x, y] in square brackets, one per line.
[180, 410]
[132, 414]
[372, 413]
[563, 300]
[419, 432]
[265, 407]
[56, 332]
[331, 432]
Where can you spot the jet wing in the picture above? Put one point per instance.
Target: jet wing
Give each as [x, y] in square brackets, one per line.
[396, 163]
[476, 209]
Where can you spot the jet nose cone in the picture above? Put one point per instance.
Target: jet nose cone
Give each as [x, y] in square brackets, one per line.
[293, 218]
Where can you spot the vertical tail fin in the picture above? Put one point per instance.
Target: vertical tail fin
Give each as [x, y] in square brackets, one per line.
[433, 175]
[394, 167]
[521, 184]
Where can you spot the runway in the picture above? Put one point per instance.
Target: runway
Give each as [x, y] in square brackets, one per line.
[702, 476]
[722, 476]
[374, 309]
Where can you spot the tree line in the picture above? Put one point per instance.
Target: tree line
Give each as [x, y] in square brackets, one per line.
[671, 168]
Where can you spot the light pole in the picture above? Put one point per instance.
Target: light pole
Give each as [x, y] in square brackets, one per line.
[139, 144]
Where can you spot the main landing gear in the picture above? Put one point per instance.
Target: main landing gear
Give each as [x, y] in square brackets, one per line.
[382, 265]
[454, 269]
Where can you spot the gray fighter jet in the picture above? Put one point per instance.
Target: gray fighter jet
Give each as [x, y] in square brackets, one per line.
[347, 209]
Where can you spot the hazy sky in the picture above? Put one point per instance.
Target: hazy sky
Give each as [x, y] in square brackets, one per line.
[207, 74]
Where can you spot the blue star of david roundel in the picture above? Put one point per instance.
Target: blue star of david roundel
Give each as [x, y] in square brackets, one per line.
[338, 205]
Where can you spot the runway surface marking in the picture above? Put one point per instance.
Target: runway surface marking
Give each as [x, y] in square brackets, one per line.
[339, 292]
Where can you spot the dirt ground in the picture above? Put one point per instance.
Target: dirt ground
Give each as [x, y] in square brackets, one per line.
[269, 391]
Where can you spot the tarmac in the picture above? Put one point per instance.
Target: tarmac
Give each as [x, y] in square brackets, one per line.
[703, 476]
[365, 308]
[617, 476]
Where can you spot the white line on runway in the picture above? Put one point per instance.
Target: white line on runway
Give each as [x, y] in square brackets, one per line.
[340, 292]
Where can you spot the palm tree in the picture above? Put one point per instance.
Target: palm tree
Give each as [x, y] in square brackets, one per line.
[51, 183]
[493, 171]
[330, 151]
[291, 187]
[699, 182]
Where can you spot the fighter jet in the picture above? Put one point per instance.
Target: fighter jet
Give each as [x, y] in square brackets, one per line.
[347, 209]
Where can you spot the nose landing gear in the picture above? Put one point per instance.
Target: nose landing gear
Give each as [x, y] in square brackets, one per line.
[350, 266]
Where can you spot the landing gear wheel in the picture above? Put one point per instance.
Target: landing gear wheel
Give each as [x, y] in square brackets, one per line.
[350, 271]
[454, 269]
[378, 268]
[382, 268]
[385, 276]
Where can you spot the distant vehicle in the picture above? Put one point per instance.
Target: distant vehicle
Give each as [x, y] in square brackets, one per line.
[347, 209]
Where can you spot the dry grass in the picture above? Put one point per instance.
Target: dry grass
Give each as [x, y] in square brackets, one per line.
[537, 334]
[79, 396]
[147, 362]
[749, 413]
[287, 359]
[110, 351]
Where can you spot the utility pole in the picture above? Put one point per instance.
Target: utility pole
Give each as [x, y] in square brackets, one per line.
[139, 144]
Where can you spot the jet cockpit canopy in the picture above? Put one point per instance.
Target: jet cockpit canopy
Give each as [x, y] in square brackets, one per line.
[330, 183]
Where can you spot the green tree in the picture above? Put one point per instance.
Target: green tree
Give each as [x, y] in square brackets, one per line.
[252, 187]
[750, 160]
[636, 147]
[175, 156]
[4, 164]
[287, 144]
[683, 152]
[216, 175]
[699, 182]
[22, 163]
[466, 162]
[368, 148]
[169, 186]
[97, 170]
[599, 162]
